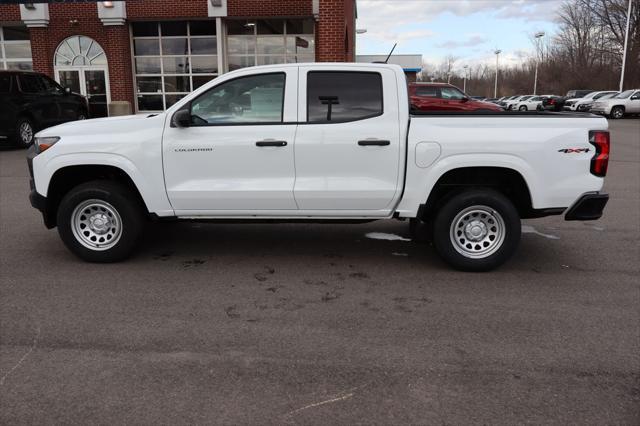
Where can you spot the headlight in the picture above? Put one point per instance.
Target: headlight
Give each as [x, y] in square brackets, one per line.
[42, 144]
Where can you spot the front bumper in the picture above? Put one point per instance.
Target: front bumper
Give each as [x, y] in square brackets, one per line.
[38, 201]
[589, 207]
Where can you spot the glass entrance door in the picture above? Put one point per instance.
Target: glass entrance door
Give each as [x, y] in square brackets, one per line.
[91, 83]
[95, 85]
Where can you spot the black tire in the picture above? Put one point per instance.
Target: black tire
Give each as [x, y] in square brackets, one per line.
[617, 112]
[523, 108]
[112, 196]
[503, 245]
[20, 138]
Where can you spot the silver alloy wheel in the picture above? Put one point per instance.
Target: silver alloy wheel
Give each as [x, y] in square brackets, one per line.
[523, 108]
[96, 224]
[26, 132]
[617, 112]
[477, 232]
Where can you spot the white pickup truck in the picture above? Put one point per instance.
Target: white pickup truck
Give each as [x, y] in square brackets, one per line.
[326, 142]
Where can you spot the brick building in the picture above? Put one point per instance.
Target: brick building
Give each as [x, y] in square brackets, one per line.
[144, 55]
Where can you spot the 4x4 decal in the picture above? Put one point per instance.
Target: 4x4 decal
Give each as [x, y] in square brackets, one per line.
[574, 150]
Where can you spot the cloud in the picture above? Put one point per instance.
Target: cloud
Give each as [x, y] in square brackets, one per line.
[382, 13]
[400, 36]
[471, 41]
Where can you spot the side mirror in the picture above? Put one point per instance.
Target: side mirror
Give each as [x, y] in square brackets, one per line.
[465, 99]
[181, 118]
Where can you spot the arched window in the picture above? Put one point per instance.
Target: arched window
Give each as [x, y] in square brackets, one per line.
[79, 51]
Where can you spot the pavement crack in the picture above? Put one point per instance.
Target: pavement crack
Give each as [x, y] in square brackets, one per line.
[23, 358]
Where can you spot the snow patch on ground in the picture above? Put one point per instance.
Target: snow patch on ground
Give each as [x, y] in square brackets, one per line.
[528, 229]
[385, 236]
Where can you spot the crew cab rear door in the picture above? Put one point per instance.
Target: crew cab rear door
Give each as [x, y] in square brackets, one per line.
[237, 153]
[348, 140]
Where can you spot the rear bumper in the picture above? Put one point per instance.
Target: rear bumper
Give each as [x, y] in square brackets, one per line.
[589, 207]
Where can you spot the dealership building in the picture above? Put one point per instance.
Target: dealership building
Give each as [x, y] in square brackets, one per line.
[144, 55]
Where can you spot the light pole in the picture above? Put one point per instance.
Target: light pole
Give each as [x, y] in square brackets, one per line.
[538, 36]
[626, 42]
[495, 90]
[464, 79]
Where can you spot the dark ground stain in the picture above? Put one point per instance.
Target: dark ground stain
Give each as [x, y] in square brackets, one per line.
[262, 276]
[359, 275]
[192, 263]
[163, 256]
[231, 311]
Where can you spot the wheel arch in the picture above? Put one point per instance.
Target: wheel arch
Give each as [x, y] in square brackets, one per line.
[68, 177]
[508, 181]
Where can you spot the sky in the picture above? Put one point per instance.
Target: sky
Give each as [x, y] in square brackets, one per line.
[470, 30]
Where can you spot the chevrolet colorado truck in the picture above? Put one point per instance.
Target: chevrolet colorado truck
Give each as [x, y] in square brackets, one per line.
[319, 142]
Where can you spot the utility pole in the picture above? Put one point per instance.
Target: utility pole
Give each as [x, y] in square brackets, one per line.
[495, 90]
[626, 42]
[538, 36]
[464, 81]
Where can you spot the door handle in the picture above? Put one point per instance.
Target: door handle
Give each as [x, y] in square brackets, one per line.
[271, 143]
[374, 142]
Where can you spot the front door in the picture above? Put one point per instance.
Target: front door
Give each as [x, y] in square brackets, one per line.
[90, 82]
[348, 151]
[237, 153]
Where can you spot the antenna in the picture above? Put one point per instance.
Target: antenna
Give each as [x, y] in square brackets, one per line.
[394, 48]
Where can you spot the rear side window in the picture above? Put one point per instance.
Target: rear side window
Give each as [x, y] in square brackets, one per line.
[343, 96]
[5, 83]
[426, 92]
[30, 83]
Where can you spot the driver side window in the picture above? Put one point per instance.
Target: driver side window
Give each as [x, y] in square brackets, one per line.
[245, 100]
[451, 93]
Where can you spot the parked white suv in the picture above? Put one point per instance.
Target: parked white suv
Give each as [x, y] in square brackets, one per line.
[627, 102]
[582, 104]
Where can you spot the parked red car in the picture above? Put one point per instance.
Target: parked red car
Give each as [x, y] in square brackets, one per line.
[445, 97]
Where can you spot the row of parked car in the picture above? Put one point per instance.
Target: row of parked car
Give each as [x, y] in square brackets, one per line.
[446, 97]
[30, 102]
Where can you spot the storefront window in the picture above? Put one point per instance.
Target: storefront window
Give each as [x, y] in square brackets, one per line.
[269, 41]
[171, 59]
[15, 48]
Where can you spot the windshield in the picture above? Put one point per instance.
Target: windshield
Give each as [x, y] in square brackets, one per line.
[524, 98]
[624, 95]
[603, 95]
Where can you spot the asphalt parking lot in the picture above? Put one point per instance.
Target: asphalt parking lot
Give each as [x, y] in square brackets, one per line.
[318, 324]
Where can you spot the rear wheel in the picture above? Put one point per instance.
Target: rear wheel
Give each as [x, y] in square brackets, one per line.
[617, 112]
[477, 230]
[25, 132]
[100, 221]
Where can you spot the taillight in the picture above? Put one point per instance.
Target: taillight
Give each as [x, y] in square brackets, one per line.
[600, 161]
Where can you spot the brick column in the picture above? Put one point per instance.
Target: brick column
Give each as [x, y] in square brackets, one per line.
[42, 50]
[118, 51]
[330, 32]
[335, 31]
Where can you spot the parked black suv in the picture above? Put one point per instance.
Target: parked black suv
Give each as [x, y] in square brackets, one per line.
[556, 103]
[30, 102]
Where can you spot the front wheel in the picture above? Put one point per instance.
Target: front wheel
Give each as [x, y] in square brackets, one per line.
[523, 108]
[617, 112]
[477, 230]
[100, 221]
